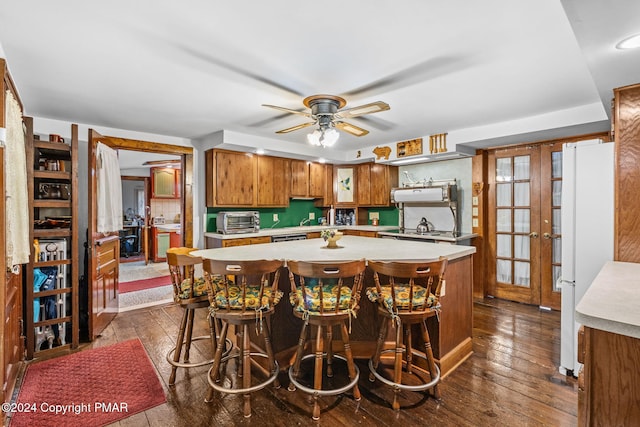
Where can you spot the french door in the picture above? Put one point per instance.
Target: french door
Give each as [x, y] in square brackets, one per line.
[524, 224]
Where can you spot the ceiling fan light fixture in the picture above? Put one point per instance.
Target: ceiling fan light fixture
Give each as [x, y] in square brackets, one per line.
[323, 137]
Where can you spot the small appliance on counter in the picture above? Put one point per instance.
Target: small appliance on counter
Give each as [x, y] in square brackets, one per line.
[157, 220]
[238, 222]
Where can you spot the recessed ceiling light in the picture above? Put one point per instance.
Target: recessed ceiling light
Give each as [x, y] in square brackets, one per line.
[321, 160]
[630, 42]
[260, 151]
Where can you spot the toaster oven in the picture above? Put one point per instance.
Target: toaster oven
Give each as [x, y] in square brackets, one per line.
[238, 222]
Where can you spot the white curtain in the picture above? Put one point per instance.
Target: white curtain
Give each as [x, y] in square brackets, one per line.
[109, 189]
[17, 224]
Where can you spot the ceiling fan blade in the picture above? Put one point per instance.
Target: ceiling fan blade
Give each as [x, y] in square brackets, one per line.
[291, 129]
[371, 108]
[288, 110]
[352, 129]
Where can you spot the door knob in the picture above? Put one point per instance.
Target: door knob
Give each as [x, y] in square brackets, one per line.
[546, 236]
[533, 235]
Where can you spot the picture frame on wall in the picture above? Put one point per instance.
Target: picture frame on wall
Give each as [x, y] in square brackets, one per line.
[345, 183]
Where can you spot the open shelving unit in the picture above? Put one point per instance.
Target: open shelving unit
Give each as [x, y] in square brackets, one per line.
[52, 275]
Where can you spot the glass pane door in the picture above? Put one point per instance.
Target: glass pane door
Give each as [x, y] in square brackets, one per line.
[551, 228]
[514, 200]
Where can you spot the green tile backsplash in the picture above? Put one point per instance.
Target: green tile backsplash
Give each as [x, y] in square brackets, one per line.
[292, 215]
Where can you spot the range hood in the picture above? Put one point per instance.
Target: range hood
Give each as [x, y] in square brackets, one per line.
[435, 192]
[434, 195]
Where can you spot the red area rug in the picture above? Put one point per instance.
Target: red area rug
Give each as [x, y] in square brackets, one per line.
[89, 388]
[139, 285]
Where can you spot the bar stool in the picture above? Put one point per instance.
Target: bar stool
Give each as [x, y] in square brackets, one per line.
[402, 303]
[323, 299]
[190, 292]
[247, 301]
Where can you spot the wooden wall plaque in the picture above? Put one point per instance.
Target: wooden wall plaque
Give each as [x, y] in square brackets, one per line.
[409, 148]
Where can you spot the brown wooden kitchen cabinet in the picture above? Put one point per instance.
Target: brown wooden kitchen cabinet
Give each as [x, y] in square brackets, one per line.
[626, 136]
[273, 181]
[212, 242]
[308, 179]
[609, 382]
[235, 179]
[165, 183]
[230, 179]
[374, 182]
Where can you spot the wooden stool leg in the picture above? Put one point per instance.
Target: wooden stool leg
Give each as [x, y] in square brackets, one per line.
[215, 369]
[397, 368]
[246, 366]
[187, 348]
[384, 326]
[317, 374]
[178, 350]
[240, 341]
[266, 333]
[350, 363]
[329, 351]
[430, 360]
[408, 347]
[213, 332]
[299, 353]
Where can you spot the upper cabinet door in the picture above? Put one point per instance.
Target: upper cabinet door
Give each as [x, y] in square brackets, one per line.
[299, 178]
[273, 181]
[317, 179]
[163, 183]
[231, 178]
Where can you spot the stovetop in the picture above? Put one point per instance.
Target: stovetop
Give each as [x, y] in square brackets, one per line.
[429, 233]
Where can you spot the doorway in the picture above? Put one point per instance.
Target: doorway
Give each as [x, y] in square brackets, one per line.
[151, 198]
[525, 187]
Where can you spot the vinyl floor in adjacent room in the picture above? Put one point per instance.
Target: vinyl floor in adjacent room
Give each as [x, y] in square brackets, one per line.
[511, 379]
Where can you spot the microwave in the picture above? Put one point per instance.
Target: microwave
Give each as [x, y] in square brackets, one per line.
[238, 222]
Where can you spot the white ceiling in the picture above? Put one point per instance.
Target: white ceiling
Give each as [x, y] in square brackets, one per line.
[491, 72]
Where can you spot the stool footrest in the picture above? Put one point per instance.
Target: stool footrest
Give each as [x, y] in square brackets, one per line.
[331, 392]
[434, 379]
[228, 343]
[221, 389]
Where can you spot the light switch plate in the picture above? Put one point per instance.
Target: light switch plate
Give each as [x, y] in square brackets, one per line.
[475, 222]
[474, 211]
[474, 200]
[275, 217]
[312, 215]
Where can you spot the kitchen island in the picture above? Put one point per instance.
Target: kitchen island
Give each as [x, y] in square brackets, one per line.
[450, 336]
[609, 347]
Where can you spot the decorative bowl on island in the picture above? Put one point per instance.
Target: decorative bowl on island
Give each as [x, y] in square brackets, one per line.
[331, 236]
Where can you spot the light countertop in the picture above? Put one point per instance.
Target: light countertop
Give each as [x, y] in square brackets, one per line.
[350, 248]
[612, 302]
[300, 230]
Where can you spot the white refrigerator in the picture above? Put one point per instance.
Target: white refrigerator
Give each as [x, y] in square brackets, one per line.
[587, 232]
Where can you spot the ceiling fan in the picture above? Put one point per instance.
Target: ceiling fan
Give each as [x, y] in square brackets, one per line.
[327, 114]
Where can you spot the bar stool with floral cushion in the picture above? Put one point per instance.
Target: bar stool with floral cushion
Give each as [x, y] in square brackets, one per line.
[190, 292]
[327, 294]
[245, 296]
[409, 295]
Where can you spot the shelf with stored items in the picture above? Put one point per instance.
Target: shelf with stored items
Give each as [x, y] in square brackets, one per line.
[51, 285]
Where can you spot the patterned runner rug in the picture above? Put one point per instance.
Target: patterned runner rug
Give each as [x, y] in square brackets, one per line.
[89, 388]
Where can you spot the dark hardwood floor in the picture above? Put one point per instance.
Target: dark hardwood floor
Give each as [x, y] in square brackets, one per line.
[511, 379]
